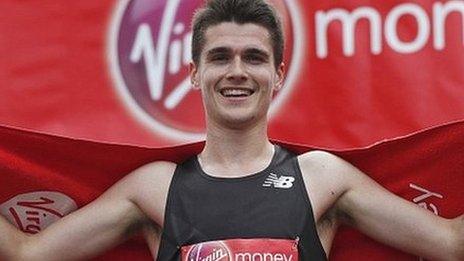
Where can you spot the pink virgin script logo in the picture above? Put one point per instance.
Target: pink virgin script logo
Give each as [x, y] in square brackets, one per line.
[211, 251]
[33, 212]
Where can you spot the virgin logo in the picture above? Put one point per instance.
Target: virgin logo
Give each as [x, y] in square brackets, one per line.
[210, 251]
[149, 53]
[32, 212]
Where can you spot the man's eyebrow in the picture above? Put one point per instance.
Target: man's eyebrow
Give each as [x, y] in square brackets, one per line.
[257, 51]
[217, 50]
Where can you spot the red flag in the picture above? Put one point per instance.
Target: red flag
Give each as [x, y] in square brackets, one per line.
[43, 177]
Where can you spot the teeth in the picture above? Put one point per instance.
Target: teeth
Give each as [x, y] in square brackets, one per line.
[236, 92]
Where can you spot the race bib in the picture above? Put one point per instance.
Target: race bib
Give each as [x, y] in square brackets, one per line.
[242, 250]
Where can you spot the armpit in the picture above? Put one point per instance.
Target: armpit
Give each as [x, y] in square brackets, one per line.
[327, 226]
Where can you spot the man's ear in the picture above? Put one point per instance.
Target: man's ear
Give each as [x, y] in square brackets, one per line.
[193, 71]
[280, 73]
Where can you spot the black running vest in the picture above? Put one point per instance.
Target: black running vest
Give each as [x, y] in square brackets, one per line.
[263, 205]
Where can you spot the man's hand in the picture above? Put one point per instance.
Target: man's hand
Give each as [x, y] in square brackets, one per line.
[123, 210]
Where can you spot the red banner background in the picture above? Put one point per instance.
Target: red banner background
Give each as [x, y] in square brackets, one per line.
[368, 71]
[56, 77]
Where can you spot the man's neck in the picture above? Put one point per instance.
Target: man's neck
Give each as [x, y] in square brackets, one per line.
[233, 153]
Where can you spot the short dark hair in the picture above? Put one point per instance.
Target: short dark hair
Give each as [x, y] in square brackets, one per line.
[239, 11]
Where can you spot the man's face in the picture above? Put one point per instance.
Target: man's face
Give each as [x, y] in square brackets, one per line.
[236, 73]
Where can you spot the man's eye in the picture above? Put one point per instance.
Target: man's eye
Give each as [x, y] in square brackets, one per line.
[219, 58]
[255, 59]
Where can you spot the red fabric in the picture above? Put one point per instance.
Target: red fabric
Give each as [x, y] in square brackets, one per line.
[431, 159]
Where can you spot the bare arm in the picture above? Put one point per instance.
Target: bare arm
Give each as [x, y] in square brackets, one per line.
[367, 206]
[10, 240]
[100, 225]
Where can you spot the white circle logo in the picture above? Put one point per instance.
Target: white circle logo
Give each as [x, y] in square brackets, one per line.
[33, 212]
[149, 52]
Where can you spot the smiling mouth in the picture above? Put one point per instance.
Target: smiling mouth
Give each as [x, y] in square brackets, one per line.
[236, 92]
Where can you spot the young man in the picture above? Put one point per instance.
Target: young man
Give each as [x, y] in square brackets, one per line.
[240, 187]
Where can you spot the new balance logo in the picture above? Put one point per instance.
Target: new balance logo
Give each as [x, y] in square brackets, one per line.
[282, 182]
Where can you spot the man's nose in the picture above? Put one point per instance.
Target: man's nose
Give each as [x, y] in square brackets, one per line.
[237, 72]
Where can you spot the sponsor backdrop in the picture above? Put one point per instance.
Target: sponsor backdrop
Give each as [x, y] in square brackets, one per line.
[358, 72]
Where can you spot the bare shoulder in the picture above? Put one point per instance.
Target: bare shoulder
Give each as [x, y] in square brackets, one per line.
[329, 166]
[322, 160]
[149, 187]
[152, 175]
[154, 170]
[326, 178]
